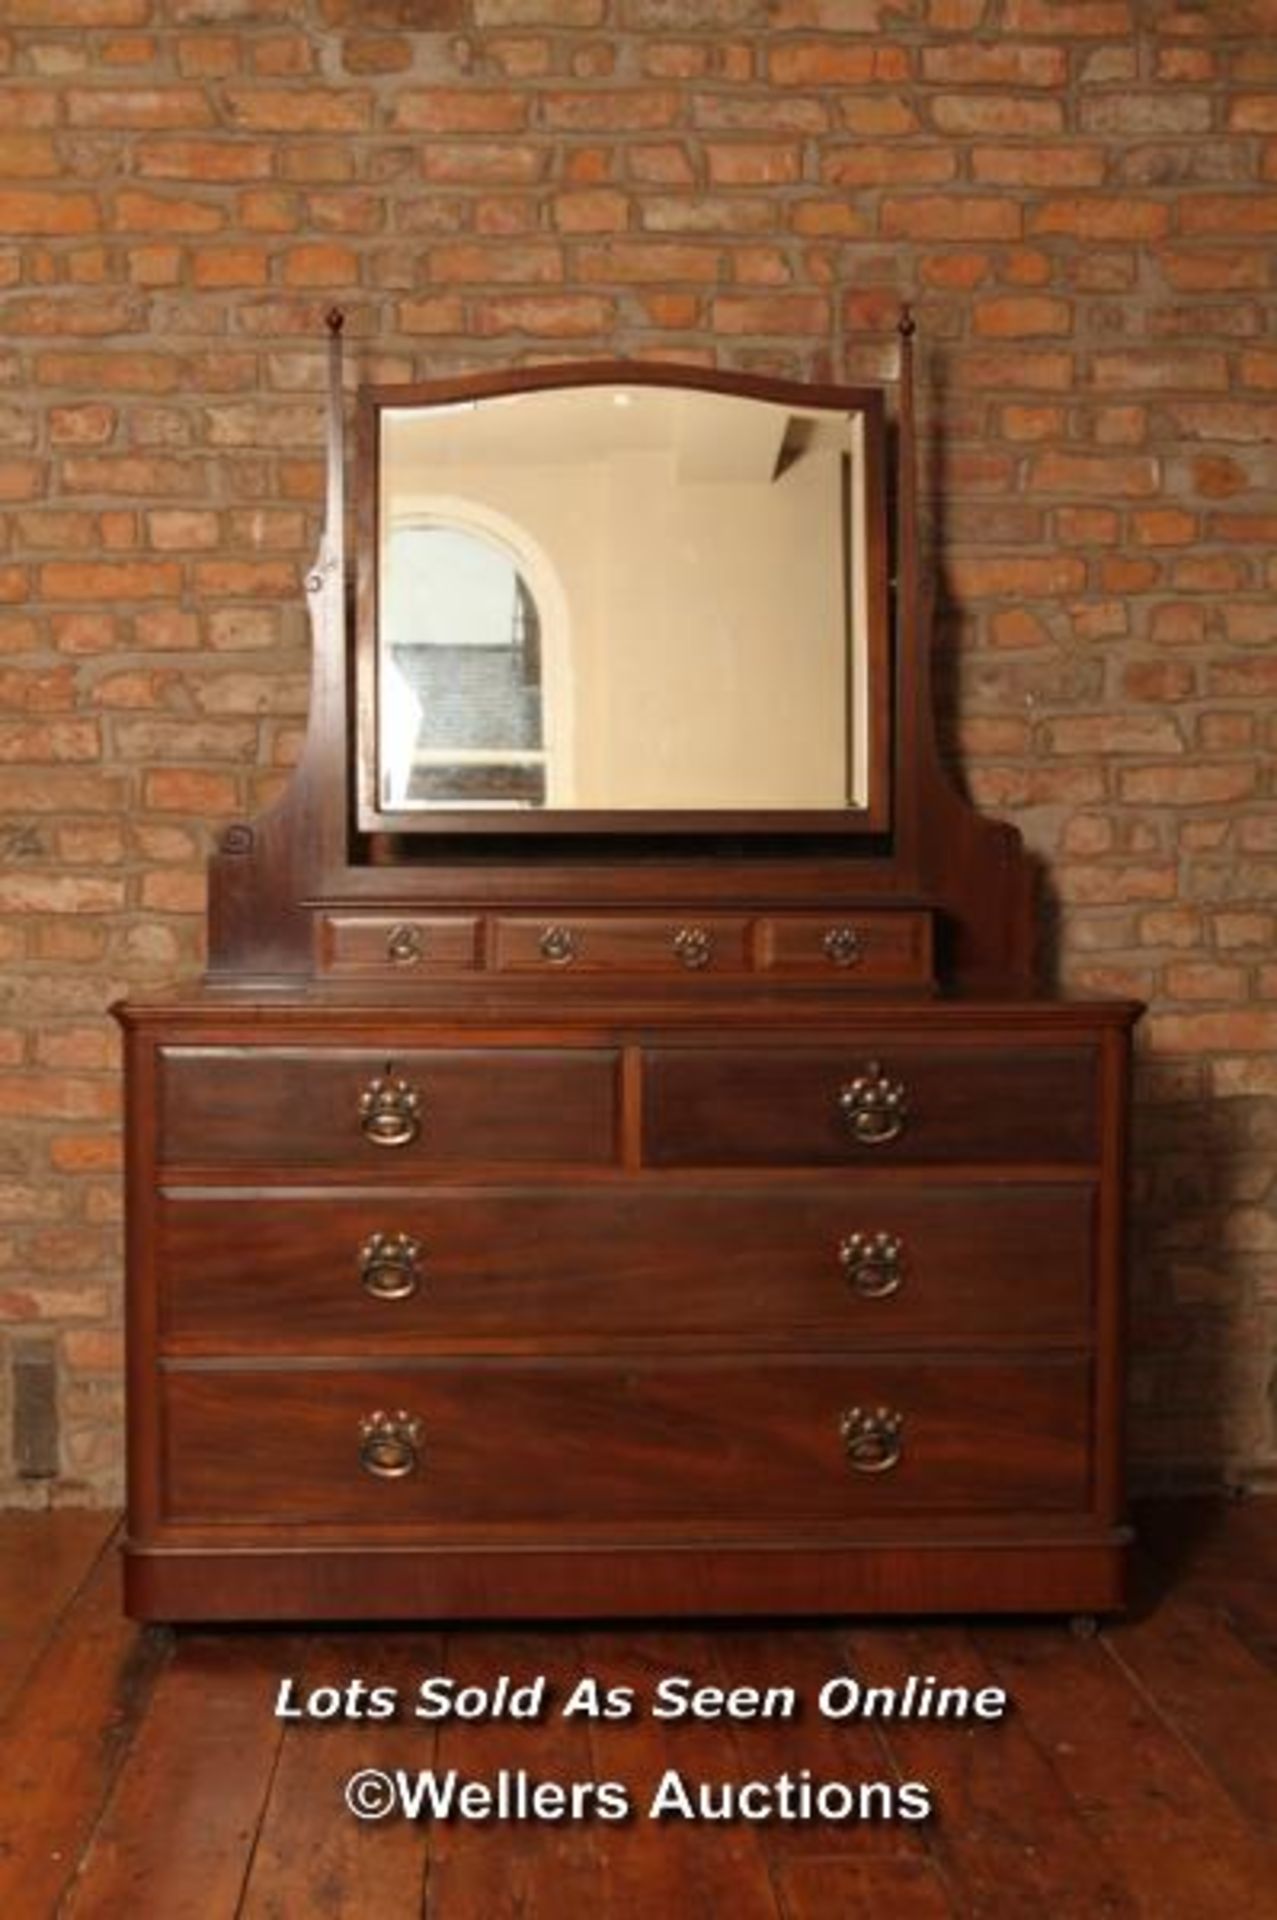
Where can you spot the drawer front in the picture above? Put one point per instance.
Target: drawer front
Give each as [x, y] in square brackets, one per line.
[865, 1104]
[615, 943]
[294, 1107]
[854, 1264]
[862, 949]
[506, 1445]
[373, 946]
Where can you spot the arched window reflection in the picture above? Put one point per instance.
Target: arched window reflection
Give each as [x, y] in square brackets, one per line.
[464, 720]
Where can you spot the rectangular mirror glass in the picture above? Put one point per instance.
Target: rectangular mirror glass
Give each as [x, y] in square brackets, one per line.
[624, 597]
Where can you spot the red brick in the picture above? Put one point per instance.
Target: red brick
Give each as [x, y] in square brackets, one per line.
[203, 160]
[301, 110]
[110, 580]
[593, 210]
[951, 217]
[825, 64]
[139, 108]
[1227, 213]
[770, 314]
[540, 262]
[628, 110]
[647, 261]
[231, 267]
[1113, 733]
[37, 212]
[1207, 269]
[1115, 885]
[58, 893]
[1070, 18]
[1000, 65]
[1160, 368]
[1163, 527]
[878, 118]
[28, 156]
[468, 111]
[136, 212]
[869, 166]
[1012, 574]
[1038, 166]
[1200, 784]
[1117, 218]
[1022, 316]
[1013, 114]
[567, 316]
[1096, 474]
[81, 14]
[753, 163]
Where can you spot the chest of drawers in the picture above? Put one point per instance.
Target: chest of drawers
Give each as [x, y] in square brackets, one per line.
[599, 1316]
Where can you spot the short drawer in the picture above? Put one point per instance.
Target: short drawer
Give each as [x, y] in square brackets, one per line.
[865, 1103]
[619, 943]
[373, 946]
[861, 949]
[742, 1444]
[297, 1272]
[333, 1107]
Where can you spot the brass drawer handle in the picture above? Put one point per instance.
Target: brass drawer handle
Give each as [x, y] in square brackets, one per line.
[388, 1266]
[558, 946]
[873, 1264]
[874, 1107]
[390, 1110]
[872, 1439]
[390, 1445]
[405, 946]
[842, 946]
[694, 947]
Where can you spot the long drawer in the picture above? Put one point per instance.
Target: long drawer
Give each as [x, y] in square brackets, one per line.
[860, 1104]
[506, 1445]
[858, 1261]
[333, 1106]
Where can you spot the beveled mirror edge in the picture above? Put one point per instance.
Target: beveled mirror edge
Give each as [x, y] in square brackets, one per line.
[872, 664]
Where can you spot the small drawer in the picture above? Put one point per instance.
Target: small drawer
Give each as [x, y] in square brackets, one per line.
[245, 1272]
[336, 1108]
[482, 1446]
[854, 950]
[376, 946]
[617, 943]
[870, 1102]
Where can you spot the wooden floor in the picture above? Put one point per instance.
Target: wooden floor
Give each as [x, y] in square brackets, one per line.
[144, 1775]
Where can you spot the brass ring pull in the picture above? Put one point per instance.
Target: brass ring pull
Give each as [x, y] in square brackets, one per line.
[405, 946]
[874, 1107]
[390, 1445]
[388, 1266]
[694, 947]
[390, 1111]
[842, 946]
[873, 1264]
[872, 1439]
[558, 945]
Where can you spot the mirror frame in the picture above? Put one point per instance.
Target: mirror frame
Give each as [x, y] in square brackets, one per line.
[873, 817]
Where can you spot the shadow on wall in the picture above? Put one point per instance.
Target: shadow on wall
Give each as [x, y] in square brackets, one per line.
[1202, 1390]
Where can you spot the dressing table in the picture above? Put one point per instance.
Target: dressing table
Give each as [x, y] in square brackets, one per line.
[617, 1161]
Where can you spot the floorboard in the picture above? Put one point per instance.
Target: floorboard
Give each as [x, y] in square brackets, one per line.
[65, 1735]
[311, 1858]
[44, 1559]
[1134, 1777]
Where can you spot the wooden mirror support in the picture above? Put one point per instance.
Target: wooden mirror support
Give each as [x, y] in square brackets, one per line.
[928, 848]
[609, 1223]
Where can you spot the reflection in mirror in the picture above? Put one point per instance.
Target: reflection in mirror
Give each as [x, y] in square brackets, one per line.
[461, 665]
[621, 597]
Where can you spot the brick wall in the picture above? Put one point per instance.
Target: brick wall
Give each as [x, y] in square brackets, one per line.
[1080, 196]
